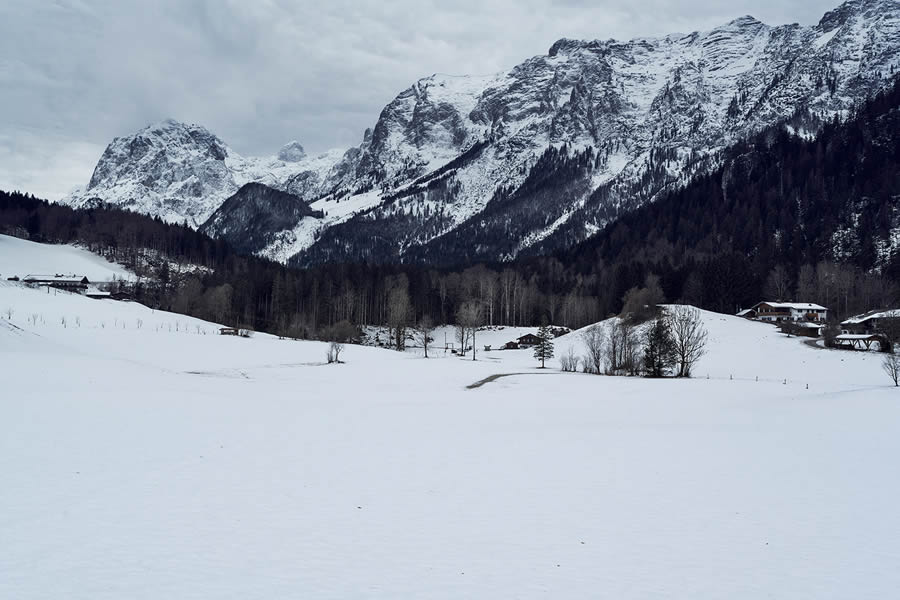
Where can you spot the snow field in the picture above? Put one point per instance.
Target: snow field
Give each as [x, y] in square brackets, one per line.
[144, 464]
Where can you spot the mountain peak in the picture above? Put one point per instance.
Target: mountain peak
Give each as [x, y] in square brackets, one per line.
[745, 21]
[292, 152]
[564, 45]
[854, 8]
[165, 125]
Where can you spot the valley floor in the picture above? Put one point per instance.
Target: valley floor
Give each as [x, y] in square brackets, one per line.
[144, 456]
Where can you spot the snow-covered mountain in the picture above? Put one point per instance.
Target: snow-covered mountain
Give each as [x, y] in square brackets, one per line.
[182, 172]
[534, 159]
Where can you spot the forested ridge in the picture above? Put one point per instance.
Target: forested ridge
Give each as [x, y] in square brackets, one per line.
[784, 218]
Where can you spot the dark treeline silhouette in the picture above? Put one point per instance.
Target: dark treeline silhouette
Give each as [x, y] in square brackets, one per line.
[782, 218]
[185, 271]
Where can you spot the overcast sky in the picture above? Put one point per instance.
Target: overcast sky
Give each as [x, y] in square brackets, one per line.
[259, 73]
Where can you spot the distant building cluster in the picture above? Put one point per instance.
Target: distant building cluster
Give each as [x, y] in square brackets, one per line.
[871, 330]
[863, 331]
[78, 284]
[777, 312]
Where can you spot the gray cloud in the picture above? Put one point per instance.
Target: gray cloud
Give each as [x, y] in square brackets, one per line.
[75, 73]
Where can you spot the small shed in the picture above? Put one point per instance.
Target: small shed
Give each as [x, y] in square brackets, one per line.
[228, 331]
[812, 330]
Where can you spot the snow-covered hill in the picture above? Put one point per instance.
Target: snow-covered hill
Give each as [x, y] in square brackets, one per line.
[625, 120]
[19, 258]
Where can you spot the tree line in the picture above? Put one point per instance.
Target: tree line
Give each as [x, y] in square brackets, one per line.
[782, 218]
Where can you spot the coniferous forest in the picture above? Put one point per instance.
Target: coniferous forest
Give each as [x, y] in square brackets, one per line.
[783, 217]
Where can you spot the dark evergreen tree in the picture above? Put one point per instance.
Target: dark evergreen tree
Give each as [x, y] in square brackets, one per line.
[659, 349]
[544, 349]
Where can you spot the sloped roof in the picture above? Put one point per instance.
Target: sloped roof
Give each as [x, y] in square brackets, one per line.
[794, 305]
[527, 336]
[873, 314]
[57, 278]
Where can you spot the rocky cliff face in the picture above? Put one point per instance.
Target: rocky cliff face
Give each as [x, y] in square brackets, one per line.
[538, 158]
[174, 171]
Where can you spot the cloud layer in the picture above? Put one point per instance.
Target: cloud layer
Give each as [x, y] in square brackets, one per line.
[75, 73]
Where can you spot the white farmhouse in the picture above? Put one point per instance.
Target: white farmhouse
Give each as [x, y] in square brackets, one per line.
[777, 312]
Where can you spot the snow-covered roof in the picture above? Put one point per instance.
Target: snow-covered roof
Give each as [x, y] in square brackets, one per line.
[744, 312]
[794, 305]
[873, 314]
[56, 278]
[854, 336]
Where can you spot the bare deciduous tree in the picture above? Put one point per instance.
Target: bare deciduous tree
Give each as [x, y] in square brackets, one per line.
[462, 337]
[778, 284]
[891, 366]
[595, 342]
[613, 350]
[470, 316]
[399, 309]
[623, 349]
[424, 329]
[568, 361]
[640, 304]
[689, 336]
[333, 355]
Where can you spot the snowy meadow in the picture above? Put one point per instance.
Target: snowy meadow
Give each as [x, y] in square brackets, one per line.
[144, 456]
